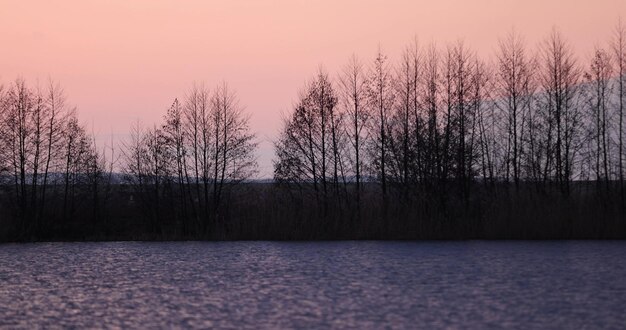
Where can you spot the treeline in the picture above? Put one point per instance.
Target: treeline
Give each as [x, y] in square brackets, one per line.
[55, 182]
[50, 170]
[439, 144]
[446, 134]
[182, 170]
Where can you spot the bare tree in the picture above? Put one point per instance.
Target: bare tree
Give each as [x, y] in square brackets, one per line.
[559, 77]
[430, 91]
[381, 99]
[234, 147]
[203, 149]
[57, 115]
[196, 114]
[22, 124]
[448, 86]
[3, 149]
[79, 154]
[176, 138]
[43, 147]
[484, 135]
[458, 80]
[148, 169]
[619, 51]
[309, 140]
[514, 88]
[598, 76]
[352, 87]
[406, 120]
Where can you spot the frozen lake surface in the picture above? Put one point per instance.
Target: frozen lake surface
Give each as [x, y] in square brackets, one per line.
[573, 284]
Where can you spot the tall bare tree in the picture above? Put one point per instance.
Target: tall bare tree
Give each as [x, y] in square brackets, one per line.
[234, 144]
[598, 76]
[514, 88]
[196, 113]
[381, 99]
[176, 137]
[560, 75]
[148, 167]
[431, 100]
[57, 114]
[352, 88]
[306, 145]
[406, 119]
[458, 80]
[619, 52]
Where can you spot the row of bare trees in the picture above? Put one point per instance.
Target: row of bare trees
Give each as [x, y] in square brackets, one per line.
[439, 134]
[184, 169]
[441, 120]
[49, 165]
[176, 175]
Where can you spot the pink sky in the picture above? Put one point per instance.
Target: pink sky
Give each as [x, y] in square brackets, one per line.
[123, 60]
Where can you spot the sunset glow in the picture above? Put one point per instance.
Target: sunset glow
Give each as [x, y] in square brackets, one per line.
[123, 61]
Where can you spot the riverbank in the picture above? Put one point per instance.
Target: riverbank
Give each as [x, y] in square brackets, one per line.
[268, 211]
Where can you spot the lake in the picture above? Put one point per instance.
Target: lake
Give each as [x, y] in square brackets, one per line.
[571, 284]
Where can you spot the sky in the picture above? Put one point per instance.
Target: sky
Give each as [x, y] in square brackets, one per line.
[123, 61]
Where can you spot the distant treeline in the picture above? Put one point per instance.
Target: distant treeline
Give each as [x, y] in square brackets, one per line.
[440, 144]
